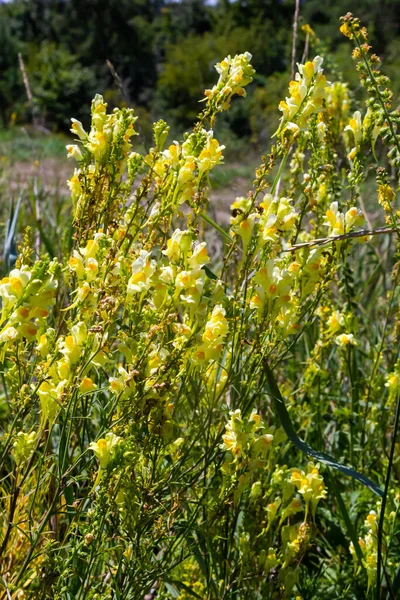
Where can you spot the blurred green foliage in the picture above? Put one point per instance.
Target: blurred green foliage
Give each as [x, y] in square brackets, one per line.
[164, 53]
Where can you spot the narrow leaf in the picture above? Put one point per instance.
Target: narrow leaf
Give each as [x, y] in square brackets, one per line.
[283, 416]
[211, 222]
[349, 525]
[210, 274]
[396, 581]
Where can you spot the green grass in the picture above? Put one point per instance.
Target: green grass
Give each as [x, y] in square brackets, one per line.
[21, 144]
[228, 173]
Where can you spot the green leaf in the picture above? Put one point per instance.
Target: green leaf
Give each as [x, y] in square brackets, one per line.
[10, 246]
[181, 586]
[172, 589]
[283, 416]
[349, 525]
[396, 581]
[210, 274]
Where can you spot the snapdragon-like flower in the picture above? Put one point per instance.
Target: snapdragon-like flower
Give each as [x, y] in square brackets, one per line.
[340, 223]
[306, 94]
[310, 485]
[346, 339]
[27, 296]
[246, 440]
[105, 448]
[335, 321]
[24, 446]
[234, 74]
[215, 331]
[142, 270]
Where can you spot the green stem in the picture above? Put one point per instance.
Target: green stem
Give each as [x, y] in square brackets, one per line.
[384, 501]
[279, 173]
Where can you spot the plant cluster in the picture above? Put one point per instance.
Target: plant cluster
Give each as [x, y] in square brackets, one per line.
[191, 412]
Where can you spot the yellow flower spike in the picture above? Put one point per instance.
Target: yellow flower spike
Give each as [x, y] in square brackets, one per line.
[24, 446]
[217, 326]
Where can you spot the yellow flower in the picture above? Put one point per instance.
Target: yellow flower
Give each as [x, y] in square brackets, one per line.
[97, 144]
[200, 256]
[49, 395]
[335, 321]
[72, 345]
[142, 270]
[77, 129]
[73, 151]
[87, 385]
[210, 156]
[346, 339]
[105, 448]
[24, 446]
[355, 127]
[216, 327]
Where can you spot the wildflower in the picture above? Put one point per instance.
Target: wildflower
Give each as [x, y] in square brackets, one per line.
[355, 126]
[142, 270]
[215, 331]
[392, 382]
[306, 93]
[200, 256]
[310, 485]
[72, 345]
[49, 396]
[335, 321]
[346, 339]
[77, 129]
[87, 385]
[105, 448]
[24, 446]
[73, 151]
[234, 74]
[178, 245]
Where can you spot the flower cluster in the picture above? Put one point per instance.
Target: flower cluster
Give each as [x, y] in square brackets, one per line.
[27, 297]
[339, 223]
[234, 74]
[129, 366]
[306, 94]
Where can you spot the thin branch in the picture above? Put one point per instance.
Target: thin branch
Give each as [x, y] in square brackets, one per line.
[27, 88]
[343, 236]
[295, 22]
[118, 82]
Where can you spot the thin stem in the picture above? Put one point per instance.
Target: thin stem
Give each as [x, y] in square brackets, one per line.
[295, 22]
[384, 500]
